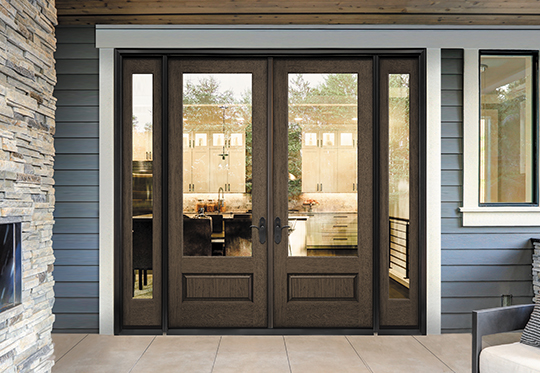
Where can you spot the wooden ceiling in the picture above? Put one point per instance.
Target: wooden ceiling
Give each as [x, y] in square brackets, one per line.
[242, 12]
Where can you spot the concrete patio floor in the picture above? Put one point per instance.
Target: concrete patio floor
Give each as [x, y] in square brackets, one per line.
[101, 353]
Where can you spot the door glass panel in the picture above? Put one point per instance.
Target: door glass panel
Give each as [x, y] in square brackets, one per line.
[142, 181]
[322, 190]
[217, 164]
[398, 176]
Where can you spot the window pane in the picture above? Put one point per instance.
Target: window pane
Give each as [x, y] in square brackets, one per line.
[398, 180]
[142, 185]
[217, 164]
[322, 172]
[506, 128]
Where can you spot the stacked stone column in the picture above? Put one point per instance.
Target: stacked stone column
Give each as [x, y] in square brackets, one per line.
[27, 111]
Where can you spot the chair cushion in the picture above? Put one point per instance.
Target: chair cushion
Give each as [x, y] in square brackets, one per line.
[516, 358]
[531, 333]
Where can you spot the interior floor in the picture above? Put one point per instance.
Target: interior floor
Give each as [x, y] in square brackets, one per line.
[397, 290]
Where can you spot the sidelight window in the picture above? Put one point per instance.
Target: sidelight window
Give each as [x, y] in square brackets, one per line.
[142, 183]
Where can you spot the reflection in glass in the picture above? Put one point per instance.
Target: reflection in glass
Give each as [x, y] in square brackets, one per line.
[506, 129]
[322, 173]
[217, 164]
[398, 180]
[142, 180]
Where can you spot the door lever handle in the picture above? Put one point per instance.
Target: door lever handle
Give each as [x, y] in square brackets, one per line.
[262, 230]
[277, 230]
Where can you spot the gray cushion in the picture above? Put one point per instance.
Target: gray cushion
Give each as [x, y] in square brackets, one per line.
[531, 333]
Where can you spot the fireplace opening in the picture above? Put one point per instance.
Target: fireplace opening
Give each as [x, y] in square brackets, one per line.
[10, 265]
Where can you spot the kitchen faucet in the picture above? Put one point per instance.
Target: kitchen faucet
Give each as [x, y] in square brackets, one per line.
[221, 200]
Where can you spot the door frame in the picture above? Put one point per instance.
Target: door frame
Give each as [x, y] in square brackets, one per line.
[164, 54]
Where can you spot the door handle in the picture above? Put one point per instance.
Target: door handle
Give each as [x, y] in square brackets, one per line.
[262, 230]
[277, 230]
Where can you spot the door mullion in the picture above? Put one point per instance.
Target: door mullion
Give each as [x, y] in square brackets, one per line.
[270, 192]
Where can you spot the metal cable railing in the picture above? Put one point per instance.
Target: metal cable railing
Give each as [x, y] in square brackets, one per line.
[399, 244]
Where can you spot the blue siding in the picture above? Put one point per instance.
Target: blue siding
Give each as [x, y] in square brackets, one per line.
[75, 234]
[478, 264]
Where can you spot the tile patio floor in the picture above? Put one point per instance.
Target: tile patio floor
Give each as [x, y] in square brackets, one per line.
[313, 354]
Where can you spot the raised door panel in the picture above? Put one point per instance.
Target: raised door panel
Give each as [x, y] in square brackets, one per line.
[310, 169]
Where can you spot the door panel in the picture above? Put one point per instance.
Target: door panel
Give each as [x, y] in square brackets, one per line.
[217, 267]
[141, 179]
[399, 192]
[328, 282]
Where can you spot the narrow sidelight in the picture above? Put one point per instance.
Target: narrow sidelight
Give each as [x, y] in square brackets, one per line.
[143, 181]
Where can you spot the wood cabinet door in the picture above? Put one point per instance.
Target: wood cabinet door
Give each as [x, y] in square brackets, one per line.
[187, 154]
[200, 169]
[331, 285]
[310, 169]
[218, 170]
[236, 174]
[328, 170]
[346, 175]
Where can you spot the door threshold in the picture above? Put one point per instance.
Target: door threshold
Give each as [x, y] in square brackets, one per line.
[289, 331]
[268, 331]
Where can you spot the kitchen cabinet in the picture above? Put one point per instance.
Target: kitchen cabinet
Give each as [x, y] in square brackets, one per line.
[236, 175]
[347, 171]
[187, 158]
[329, 161]
[218, 174]
[205, 170]
[310, 169]
[332, 230]
[200, 166]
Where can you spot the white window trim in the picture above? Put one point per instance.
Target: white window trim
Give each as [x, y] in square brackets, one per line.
[473, 214]
[433, 38]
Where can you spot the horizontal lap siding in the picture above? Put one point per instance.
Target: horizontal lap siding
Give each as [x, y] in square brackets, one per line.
[75, 234]
[479, 264]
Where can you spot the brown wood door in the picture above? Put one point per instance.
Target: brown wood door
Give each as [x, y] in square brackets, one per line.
[217, 138]
[323, 265]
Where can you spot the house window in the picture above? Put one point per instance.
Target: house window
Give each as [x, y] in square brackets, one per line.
[500, 138]
[507, 129]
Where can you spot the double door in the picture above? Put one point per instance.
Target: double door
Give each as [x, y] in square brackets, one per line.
[320, 229]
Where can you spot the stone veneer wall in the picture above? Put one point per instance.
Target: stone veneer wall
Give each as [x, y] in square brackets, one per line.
[27, 109]
[536, 270]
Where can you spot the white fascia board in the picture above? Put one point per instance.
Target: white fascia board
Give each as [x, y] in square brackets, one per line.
[285, 37]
